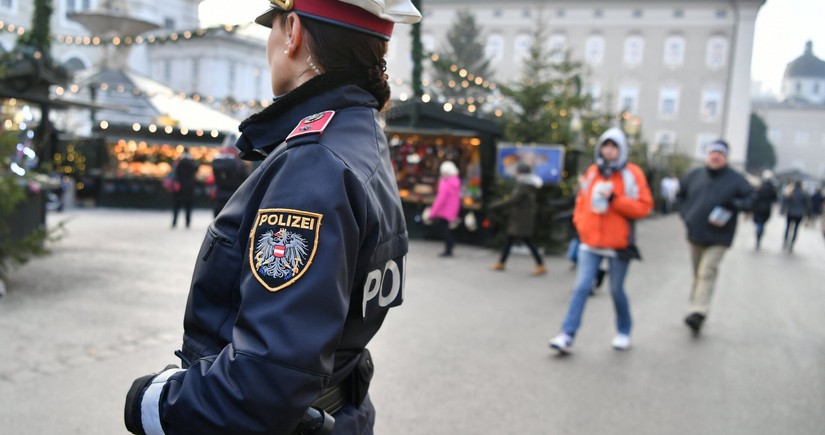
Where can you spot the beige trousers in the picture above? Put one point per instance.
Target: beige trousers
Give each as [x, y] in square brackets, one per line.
[706, 261]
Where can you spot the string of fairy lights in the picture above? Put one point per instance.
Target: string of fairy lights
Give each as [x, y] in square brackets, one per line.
[464, 79]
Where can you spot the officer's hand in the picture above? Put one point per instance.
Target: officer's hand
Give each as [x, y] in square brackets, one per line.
[134, 398]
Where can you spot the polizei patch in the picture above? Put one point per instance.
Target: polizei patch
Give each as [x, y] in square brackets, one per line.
[282, 245]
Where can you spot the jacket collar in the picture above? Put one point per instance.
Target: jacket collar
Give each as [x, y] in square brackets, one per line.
[263, 131]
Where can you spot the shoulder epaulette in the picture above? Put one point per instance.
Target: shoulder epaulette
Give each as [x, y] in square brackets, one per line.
[313, 124]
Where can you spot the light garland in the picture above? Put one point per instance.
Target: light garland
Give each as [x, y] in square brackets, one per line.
[225, 103]
[168, 129]
[128, 40]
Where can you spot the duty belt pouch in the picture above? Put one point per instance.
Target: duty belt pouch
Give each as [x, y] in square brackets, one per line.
[361, 377]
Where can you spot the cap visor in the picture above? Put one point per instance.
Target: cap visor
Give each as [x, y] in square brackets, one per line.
[265, 19]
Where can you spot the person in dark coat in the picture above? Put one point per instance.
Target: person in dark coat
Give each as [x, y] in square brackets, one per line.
[307, 259]
[796, 205]
[521, 223]
[229, 173]
[185, 170]
[710, 199]
[816, 207]
[763, 200]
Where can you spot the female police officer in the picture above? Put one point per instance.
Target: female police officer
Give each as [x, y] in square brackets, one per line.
[298, 271]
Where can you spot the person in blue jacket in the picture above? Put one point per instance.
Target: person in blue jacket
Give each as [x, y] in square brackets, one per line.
[299, 270]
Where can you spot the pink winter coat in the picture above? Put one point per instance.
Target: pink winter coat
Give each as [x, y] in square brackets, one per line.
[447, 200]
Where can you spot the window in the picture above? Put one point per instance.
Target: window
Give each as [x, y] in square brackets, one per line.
[594, 50]
[169, 23]
[233, 69]
[497, 13]
[816, 88]
[665, 141]
[598, 13]
[560, 13]
[637, 13]
[711, 105]
[775, 135]
[521, 47]
[633, 50]
[628, 99]
[717, 52]
[674, 51]
[427, 43]
[595, 93]
[801, 137]
[167, 70]
[494, 49]
[196, 74]
[557, 47]
[7, 5]
[526, 13]
[678, 13]
[721, 13]
[72, 6]
[669, 102]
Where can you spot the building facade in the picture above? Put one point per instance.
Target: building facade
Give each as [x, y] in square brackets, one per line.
[795, 124]
[682, 67]
[219, 64]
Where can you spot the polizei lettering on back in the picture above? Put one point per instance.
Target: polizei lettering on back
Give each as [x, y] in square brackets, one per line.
[384, 287]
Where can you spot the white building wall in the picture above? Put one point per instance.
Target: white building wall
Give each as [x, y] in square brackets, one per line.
[697, 22]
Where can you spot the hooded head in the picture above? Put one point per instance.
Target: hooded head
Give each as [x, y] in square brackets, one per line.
[448, 169]
[616, 136]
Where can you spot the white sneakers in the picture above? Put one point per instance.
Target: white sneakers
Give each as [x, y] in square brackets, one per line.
[562, 343]
[621, 342]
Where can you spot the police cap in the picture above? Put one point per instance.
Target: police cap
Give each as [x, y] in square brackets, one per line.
[374, 17]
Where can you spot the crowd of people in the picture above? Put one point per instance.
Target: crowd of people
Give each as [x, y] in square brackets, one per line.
[613, 194]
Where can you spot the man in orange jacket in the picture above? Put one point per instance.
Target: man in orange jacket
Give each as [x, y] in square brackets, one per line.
[613, 194]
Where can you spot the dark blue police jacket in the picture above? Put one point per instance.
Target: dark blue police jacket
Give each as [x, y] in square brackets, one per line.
[296, 274]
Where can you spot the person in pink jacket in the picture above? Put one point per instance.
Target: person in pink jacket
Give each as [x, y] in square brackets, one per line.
[447, 203]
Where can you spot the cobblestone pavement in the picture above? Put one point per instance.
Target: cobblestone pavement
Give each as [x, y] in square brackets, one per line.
[465, 354]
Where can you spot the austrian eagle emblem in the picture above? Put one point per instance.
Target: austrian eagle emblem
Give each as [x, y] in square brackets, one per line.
[282, 246]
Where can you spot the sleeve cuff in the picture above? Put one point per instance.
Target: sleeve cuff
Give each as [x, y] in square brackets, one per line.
[150, 405]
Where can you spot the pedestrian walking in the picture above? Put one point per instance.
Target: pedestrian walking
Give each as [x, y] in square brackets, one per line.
[300, 269]
[709, 202]
[668, 188]
[229, 173]
[613, 195]
[521, 221]
[447, 205]
[796, 205]
[763, 200]
[184, 196]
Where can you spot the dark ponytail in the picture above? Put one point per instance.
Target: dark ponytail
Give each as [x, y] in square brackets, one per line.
[346, 50]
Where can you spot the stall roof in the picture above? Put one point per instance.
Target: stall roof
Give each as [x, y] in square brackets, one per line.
[155, 100]
[425, 117]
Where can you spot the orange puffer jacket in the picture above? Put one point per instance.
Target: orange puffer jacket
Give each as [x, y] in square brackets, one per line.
[612, 229]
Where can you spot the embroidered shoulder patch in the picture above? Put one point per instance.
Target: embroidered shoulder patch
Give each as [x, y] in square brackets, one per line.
[282, 245]
[312, 124]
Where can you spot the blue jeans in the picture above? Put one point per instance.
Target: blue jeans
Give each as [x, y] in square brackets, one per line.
[587, 268]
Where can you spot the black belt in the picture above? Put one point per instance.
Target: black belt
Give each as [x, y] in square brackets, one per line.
[333, 399]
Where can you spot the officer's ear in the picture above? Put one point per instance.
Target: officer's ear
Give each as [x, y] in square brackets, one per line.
[294, 33]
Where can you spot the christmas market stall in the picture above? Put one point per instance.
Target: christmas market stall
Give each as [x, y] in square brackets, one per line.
[421, 137]
[143, 130]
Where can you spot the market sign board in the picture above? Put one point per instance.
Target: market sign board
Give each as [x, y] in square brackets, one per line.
[546, 160]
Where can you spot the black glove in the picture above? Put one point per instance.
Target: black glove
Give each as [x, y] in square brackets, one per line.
[134, 398]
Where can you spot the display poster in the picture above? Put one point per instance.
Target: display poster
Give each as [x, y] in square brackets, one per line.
[546, 160]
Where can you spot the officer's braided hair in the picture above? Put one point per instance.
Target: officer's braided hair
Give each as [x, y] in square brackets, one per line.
[339, 49]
